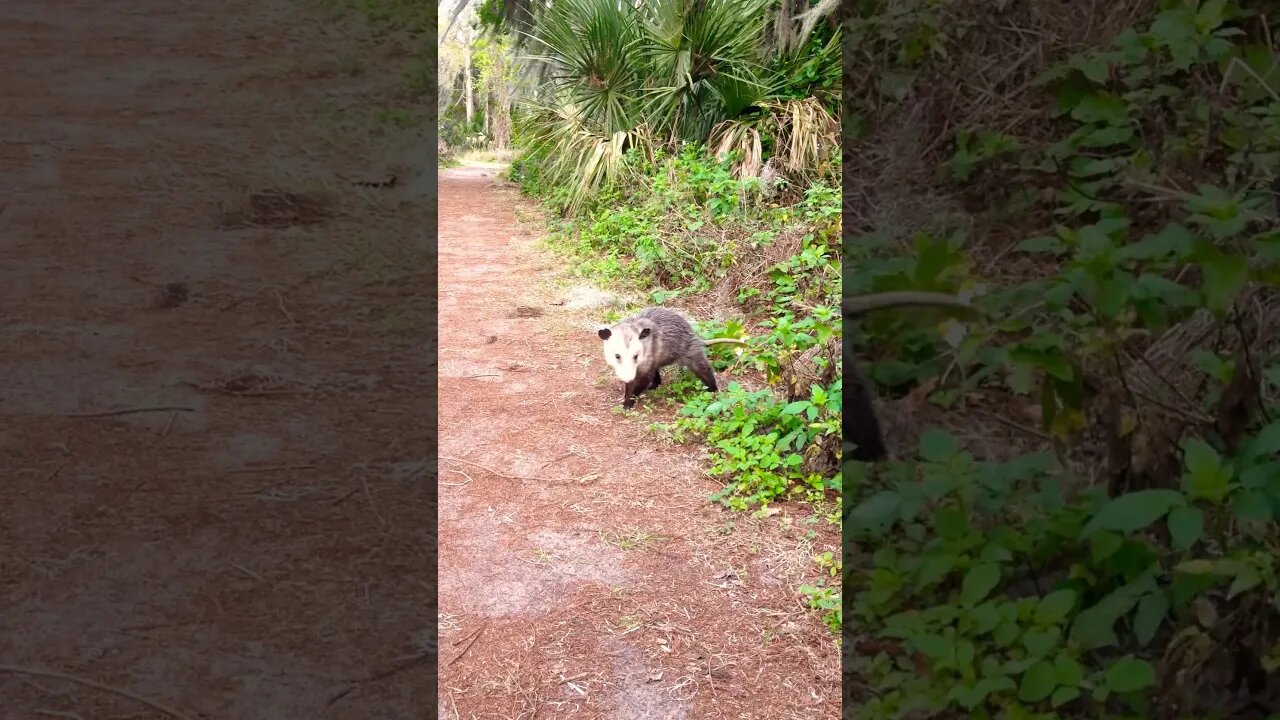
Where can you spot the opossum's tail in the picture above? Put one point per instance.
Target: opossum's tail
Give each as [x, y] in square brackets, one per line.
[724, 341]
[857, 306]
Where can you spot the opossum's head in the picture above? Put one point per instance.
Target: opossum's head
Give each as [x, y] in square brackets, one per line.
[624, 349]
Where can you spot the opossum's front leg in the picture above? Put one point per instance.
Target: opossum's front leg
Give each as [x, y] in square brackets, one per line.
[634, 389]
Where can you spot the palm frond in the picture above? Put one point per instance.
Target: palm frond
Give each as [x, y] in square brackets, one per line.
[732, 137]
[808, 137]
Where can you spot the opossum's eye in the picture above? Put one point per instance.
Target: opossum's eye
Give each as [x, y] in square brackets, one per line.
[636, 357]
[617, 356]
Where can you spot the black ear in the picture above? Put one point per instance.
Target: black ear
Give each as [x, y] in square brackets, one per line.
[644, 333]
[604, 333]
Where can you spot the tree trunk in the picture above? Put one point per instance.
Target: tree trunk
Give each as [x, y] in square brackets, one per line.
[462, 5]
[466, 77]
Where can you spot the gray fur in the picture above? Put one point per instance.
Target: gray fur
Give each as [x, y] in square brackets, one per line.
[665, 337]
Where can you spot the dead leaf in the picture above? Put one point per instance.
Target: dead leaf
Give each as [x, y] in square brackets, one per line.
[1206, 613]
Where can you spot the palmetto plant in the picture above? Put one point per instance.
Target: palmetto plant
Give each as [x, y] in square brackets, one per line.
[590, 47]
[622, 74]
[702, 62]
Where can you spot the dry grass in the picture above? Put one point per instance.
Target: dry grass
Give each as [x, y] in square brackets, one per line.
[807, 136]
[891, 181]
[483, 156]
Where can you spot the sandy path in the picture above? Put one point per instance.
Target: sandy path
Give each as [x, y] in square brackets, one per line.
[262, 552]
[602, 584]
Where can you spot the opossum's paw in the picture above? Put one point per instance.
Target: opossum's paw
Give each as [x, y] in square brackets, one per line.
[628, 404]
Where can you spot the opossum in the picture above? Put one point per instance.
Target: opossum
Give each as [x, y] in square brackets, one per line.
[638, 347]
[860, 424]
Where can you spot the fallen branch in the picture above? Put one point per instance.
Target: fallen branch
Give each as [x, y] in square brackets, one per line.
[269, 468]
[131, 411]
[491, 471]
[470, 642]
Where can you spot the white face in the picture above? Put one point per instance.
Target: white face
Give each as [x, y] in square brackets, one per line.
[623, 351]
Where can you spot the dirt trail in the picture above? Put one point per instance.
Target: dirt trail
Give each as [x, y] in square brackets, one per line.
[583, 572]
[263, 551]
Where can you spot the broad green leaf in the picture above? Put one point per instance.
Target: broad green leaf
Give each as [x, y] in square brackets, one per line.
[1151, 614]
[1154, 287]
[877, 513]
[1246, 580]
[1174, 30]
[938, 445]
[1068, 670]
[1265, 443]
[934, 570]
[1006, 633]
[970, 696]
[1055, 606]
[1252, 505]
[1105, 544]
[996, 553]
[1101, 107]
[1040, 642]
[1174, 239]
[1085, 167]
[1224, 278]
[1043, 244]
[1264, 477]
[935, 647]
[1134, 511]
[951, 523]
[1129, 674]
[1114, 294]
[1094, 242]
[1106, 137]
[1095, 66]
[1064, 695]
[965, 652]
[1207, 477]
[1038, 682]
[1196, 567]
[967, 696]
[978, 583]
[1200, 456]
[1094, 627]
[796, 407]
[1186, 526]
[985, 618]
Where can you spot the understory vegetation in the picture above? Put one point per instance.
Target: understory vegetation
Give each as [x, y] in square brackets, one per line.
[687, 154]
[1082, 519]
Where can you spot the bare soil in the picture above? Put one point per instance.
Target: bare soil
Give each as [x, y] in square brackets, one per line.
[583, 571]
[215, 427]
[216, 438]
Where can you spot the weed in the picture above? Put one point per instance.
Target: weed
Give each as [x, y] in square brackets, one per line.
[1015, 585]
[397, 117]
